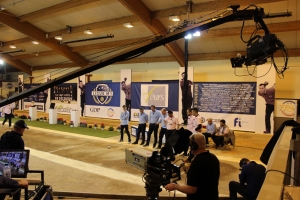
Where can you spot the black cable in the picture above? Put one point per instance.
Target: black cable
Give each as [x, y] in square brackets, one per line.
[274, 170]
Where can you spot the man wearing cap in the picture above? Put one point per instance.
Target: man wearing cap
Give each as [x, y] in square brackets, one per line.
[13, 139]
[172, 123]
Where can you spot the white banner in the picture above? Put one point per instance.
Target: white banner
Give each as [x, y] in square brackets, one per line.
[154, 94]
[190, 79]
[103, 111]
[39, 106]
[47, 94]
[65, 108]
[233, 121]
[286, 108]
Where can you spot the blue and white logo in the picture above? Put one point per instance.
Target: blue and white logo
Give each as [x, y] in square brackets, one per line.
[102, 94]
[237, 121]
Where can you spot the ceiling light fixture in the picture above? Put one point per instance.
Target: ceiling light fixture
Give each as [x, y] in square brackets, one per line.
[88, 31]
[35, 42]
[191, 35]
[128, 25]
[174, 18]
[197, 34]
[12, 46]
[88, 39]
[58, 37]
[2, 8]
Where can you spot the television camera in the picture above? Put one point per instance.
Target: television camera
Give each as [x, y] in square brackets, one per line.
[158, 168]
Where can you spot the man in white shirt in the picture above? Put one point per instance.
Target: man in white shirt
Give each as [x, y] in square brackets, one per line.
[197, 121]
[190, 121]
[172, 123]
[7, 111]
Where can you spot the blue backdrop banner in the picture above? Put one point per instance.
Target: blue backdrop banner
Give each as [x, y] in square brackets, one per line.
[227, 97]
[102, 94]
[162, 94]
[38, 97]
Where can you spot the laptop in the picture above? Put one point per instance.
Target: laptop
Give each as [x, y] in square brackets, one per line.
[17, 160]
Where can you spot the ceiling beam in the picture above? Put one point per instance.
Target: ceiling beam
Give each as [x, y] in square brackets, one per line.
[17, 64]
[57, 66]
[140, 10]
[35, 55]
[39, 35]
[54, 9]
[192, 57]
[206, 7]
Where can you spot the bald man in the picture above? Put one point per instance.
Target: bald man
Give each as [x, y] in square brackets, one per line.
[203, 175]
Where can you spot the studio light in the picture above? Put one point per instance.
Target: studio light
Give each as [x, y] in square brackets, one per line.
[12, 46]
[1, 61]
[128, 25]
[88, 31]
[34, 42]
[197, 34]
[188, 36]
[174, 18]
[58, 37]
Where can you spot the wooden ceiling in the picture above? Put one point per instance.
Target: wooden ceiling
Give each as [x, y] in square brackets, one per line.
[36, 20]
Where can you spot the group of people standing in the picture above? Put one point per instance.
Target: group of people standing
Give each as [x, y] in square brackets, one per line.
[168, 122]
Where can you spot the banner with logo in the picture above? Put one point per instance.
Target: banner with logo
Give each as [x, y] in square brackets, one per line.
[20, 89]
[126, 89]
[36, 99]
[219, 97]
[162, 94]
[286, 108]
[65, 97]
[103, 100]
[233, 121]
[190, 95]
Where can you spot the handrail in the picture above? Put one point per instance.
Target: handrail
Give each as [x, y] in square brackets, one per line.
[273, 185]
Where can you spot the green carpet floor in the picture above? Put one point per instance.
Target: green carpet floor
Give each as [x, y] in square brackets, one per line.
[66, 128]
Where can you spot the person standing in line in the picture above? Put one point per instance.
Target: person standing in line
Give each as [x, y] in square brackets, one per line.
[126, 88]
[197, 121]
[154, 117]
[172, 123]
[124, 123]
[163, 129]
[7, 110]
[191, 120]
[143, 119]
[203, 175]
[269, 95]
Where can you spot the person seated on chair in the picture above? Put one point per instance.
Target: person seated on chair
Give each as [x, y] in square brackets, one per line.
[211, 129]
[222, 131]
[253, 175]
[9, 183]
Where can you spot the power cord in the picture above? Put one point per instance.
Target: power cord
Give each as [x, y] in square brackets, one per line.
[274, 170]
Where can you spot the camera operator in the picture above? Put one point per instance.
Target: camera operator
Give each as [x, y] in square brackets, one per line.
[203, 175]
[253, 175]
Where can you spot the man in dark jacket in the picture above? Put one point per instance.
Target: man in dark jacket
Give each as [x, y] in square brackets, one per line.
[253, 175]
[13, 139]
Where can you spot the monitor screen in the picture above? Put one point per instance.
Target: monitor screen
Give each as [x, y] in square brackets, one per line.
[17, 160]
[52, 105]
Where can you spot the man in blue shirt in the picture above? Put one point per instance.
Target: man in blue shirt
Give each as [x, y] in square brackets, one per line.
[253, 175]
[211, 129]
[143, 119]
[154, 117]
[124, 123]
[163, 129]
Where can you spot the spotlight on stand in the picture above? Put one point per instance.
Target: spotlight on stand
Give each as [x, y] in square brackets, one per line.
[191, 35]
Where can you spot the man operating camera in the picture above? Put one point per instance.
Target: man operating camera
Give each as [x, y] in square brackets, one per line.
[203, 175]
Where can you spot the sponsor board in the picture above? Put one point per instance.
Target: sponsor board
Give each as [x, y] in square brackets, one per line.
[286, 108]
[103, 111]
[233, 121]
[154, 94]
[39, 106]
[65, 108]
